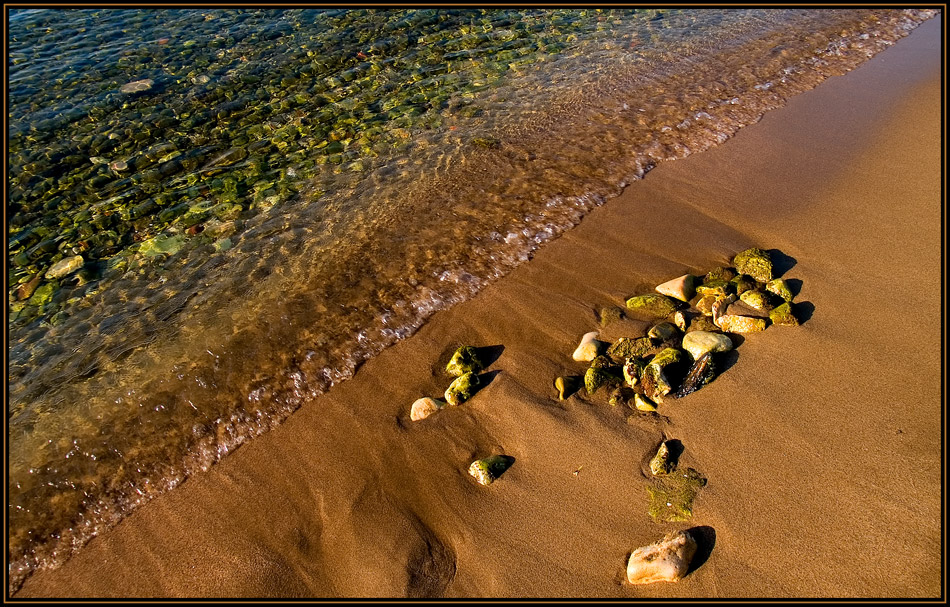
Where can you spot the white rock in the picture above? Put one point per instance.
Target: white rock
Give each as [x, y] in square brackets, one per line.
[665, 561]
[589, 349]
[698, 343]
[424, 407]
[682, 288]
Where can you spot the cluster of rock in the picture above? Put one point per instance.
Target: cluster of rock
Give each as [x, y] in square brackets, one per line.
[464, 365]
[692, 317]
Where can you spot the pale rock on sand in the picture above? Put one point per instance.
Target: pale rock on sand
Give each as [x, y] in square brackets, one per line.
[589, 348]
[698, 343]
[682, 288]
[424, 407]
[665, 561]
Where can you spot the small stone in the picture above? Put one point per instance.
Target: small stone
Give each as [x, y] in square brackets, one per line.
[629, 347]
[701, 373]
[720, 273]
[589, 348]
[25, 291]
[679, 319]
[664, 561]
[65, 267]
[682, 288]
[42, 294]
[698, 343]
[783, 315]
[424, 407]
[137, 86]
[754, 262]
[651, 306]
[661, 462]
[643, 404]
[594, 378]
[119, 165]
[663, 331]
[756, 299]
[465, 360]
[655, 384]
[462, 389]
[666, 357]
[780, 288]
[732, 323]
[487, 470]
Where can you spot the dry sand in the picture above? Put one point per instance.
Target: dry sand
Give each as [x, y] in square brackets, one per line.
[821, 444]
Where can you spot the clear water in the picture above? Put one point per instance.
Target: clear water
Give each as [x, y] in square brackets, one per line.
[294, 190]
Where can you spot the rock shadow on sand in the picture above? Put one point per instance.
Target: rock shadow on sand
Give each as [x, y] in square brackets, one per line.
[705, 537]
[781, 263]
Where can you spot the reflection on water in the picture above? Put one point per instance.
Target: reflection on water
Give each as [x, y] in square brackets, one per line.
[217, 214]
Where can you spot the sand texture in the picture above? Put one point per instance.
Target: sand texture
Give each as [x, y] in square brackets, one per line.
[821, 443]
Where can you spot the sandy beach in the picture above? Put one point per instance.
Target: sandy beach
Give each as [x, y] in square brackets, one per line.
[821, 444]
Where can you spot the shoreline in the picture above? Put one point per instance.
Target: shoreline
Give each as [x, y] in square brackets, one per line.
[372, 504]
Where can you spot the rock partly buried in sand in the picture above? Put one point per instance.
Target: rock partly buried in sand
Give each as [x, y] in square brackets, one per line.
[589, 348]
[698, 343]
[756, 299]
[424, 407]
[662, 463]
[701, 373]
[682, 288]
[462, 389]
[663, 331]
[665, 561]
[137, 86]
[487, 470]
[783, 315]
[465, 360]
[596, 377]
[65, 266]
[651, 306]
[754, 262]
[732, 323]
[672, 495]
[609, 314]
[780, 288]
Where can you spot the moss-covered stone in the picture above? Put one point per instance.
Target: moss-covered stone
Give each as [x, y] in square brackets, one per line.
[784, 315]
[609, 314]
[662, 462]
[705, 304]
[462, 389]
[732, 323]
[464, 360]
[672, 495]
[654, 382]
[756, 299]
[666, 357]
[596, 378]
[720, 273]
[754, 262]
[629, 347]
[651, 306]
[780, 287]
[488, 469]
[602, 362]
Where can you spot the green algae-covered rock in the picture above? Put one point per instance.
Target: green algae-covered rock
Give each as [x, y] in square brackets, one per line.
[594, 378]
[672, 495]
[629, 347]
[488, 469]
[705, 304]
[666, 357]
[720, 273]
[732, 323]
[783, 315]
[756, 299]
[716, 288]
[780, 288]
[462, 389]
[702, 323]
[662, 462]
[42, 294]
[465, 360]
[743, 283]
[602, 362]
[754, 262]
[651, 306]
[609, 314]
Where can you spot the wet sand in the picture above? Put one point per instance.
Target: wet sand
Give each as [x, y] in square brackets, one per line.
[821, 443]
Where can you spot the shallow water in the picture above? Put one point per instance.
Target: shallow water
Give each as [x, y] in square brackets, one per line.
[297, 189]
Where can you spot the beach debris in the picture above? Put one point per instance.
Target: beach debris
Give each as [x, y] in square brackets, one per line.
[701, 373]
[488, 469]
[629, 347]
[65, 266]
[462, 389]
[662, 463]
[663, 332]
[754, 262]
[465, 360]
[424, 407]
[732, 323]
[698, 343]
[779, 287]
[651, 306]
[682, 288]
[756, 299]
[589, 348]
[664, 561]
[671, 495]
[783, 315]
